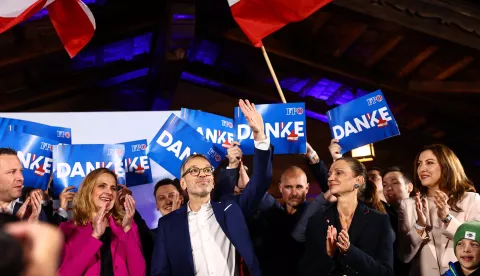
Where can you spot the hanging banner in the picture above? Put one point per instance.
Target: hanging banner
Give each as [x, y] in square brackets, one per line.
[216, 129]
[175, 141]
[285, 124]
[35, 154]
[60, 134]
[362, 121]
[71, 163]
[137, 164]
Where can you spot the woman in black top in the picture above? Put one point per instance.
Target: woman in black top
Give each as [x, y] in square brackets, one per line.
[348, 238]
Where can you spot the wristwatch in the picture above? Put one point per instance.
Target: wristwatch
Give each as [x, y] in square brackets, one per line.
[447, 219]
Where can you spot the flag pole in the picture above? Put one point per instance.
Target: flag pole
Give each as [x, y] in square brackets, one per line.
[274, 76]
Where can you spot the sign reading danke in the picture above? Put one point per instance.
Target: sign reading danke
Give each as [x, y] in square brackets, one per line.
[175, 141]
[284, 125]
[216, 129]
[362, 121]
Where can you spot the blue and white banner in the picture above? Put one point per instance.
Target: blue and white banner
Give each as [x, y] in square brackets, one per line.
[60, 134]
[362, 121]
[285, 124]
[71, 163]
[35, 154]
[175, 141]
[137, 164]
[216, 129]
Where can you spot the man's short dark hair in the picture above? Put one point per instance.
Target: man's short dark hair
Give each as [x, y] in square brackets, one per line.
[8, 151]
[402, 171]
[190, 157]
[167, 181]
[375, 168]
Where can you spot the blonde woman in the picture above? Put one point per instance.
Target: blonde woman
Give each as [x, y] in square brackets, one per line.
[102, 238]
[445, 199]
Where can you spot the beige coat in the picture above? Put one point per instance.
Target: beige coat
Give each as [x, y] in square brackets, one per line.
[431, 253]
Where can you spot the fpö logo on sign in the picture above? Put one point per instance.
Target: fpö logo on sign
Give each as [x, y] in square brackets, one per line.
[216, 129]
[175, 141]
[362, 121]
[57, 134]
[35, 155]
[137, 163]
[284, 125]
[72, 163]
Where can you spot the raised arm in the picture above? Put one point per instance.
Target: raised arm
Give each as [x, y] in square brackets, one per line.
[262, 161]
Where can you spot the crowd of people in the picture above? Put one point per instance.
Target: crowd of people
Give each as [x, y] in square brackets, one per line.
[224, 222]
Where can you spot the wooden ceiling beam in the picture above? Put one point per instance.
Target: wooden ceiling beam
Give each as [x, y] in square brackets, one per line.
[444, 87]
[414, 63]
[455, 68]
[319, 19]
[348, 41]
[384, 50]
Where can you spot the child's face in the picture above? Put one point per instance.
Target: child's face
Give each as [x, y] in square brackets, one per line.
[468, 253]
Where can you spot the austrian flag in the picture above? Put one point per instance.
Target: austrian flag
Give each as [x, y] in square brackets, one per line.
[72, 19]
[260, 18]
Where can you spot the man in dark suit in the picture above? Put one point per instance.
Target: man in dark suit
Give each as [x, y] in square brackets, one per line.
[202, 238]
[11, 184]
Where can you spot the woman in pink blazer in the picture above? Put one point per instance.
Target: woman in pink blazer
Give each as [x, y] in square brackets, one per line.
[445, 199]
[102, 238]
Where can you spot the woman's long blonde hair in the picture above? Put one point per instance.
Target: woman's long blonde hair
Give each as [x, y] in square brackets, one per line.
[83, 206]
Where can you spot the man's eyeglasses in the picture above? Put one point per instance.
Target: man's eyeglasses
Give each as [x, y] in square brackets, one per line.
[194, 171]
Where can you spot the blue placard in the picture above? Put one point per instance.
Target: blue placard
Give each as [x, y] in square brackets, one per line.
[216, 129]
[35, 154]
[61, 134]
[71, 163]
[137, 164]
[362, 121]
[175, 141]
[284, 123]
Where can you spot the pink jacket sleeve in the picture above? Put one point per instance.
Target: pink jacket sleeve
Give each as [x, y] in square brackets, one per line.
[77, 253]
[135, 260]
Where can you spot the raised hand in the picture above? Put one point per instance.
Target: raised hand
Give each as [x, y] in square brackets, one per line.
[343, 241]
[129, 205]
[441, 201]
[421, 206]
[99, 222]
[36, 204]
[234, 155]
[243, 177]
[122, 193]
[335, 149]
[254, 119]
[312, 155]
[331, 241]
[23, 209]
[66, 196]
[176, 202]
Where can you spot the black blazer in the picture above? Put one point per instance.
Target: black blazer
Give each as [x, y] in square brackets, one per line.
[371, 244]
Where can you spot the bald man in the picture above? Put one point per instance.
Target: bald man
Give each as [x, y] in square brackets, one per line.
[271, 228]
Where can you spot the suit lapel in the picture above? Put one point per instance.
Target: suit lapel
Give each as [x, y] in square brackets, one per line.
[359, 221]
[185, 236]
[219, 212]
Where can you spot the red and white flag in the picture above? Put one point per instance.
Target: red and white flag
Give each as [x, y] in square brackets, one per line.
[260, 18]
[72, 19]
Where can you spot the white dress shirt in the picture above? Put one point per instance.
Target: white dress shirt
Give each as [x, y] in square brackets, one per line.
[9, 208]
[213, 253]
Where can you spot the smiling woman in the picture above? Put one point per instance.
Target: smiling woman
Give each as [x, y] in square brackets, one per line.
[101, 227]
[445, 199]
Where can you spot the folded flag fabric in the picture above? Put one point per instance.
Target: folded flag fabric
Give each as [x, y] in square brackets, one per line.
[260, 18]
[72, 19]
